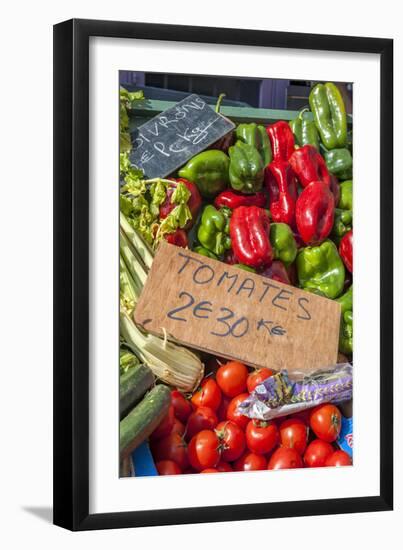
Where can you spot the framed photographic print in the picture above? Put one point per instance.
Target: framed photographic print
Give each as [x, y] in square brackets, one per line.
[207, 184]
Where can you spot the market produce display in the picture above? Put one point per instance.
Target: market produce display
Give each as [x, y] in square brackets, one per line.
[273, 199]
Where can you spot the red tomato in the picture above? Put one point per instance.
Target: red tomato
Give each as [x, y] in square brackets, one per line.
[204, 450]
[325, 421]
[250, 462]
[202, 418]
[224, 466]
[303, 415]
[171, 447]
[294, 434]
[222, 409]
[167, 468]
[257, 377]
[209, 471]
[181, 405]
[338, 458]
[284, 458]
[190, 470]
[317, 453]
[231, 378]
[232, 440]
[178, 427]
[165, 426]
[234, 415]
[209, 395]
[261, 437]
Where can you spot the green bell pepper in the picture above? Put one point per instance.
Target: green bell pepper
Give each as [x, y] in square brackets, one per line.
[343, 222]
[349, 143]
[205, 252]
[245, 267]
[246, 169]
[209, 171]
[213, 232]
[321, 270]
[283, 243]
[346, 300]
[340, 163]
[329, 114]
[255, 135]
[305, 131]
[346, 195]
[346, 322]
[346, 333]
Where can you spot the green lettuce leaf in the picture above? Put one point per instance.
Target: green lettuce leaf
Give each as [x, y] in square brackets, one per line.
[177, 218]
[125, 142]
[158, 192]
[181, 195]
[127, 99]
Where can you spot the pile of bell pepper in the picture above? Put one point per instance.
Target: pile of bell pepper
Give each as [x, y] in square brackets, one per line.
[277, 200]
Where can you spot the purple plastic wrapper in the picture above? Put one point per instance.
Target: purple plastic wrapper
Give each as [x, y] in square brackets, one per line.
[279, 396]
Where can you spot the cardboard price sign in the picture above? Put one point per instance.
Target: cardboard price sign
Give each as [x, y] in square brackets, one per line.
[229, 312]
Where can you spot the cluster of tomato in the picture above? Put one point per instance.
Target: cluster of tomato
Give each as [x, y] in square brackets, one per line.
[205, 433]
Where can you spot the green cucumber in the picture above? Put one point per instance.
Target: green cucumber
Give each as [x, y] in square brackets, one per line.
[133, 384]
[143, 419]
[125, 467]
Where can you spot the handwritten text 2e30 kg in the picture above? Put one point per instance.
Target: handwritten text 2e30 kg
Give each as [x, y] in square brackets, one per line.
[240, 284]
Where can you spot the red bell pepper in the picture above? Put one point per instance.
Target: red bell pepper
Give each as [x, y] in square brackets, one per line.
[230, 258]
[232, 199]
[309, 165]
[250, 236]
[281, 140]
[314, 213]
[346, 250]
[292, 274]
[298, 239]
[335, 189]
[178, 237]
[281, 183]
[277, 271]
[194, 202]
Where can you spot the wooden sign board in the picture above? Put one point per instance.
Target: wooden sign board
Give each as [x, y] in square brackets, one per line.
[170, 139]
[229, 312]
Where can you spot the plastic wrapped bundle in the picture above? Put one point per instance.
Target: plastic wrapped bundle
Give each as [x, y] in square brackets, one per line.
[280, 396]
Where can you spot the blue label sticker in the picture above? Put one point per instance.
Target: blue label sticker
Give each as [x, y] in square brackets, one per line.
[345, 440]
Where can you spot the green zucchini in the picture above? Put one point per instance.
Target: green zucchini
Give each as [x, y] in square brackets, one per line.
[143, 419]
[127, 360]
[133, 384]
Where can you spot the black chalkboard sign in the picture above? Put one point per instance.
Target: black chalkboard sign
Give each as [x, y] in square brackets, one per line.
[170, 139]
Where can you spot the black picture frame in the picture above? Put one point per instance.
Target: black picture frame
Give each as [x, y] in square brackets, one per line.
[71, 274]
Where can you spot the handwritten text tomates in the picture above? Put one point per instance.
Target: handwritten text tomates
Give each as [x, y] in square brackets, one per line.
[264, 290]
[232, 313]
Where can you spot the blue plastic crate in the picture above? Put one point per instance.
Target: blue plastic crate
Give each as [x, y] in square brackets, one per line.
[143, 462]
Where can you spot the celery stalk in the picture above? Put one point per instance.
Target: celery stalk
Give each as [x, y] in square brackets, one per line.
[133, 262]
[173, 364]
[169, 361]
[137, 241]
